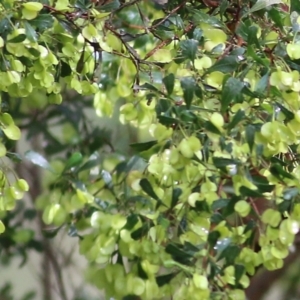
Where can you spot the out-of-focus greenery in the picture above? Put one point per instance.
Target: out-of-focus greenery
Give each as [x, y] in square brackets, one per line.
[212, 194]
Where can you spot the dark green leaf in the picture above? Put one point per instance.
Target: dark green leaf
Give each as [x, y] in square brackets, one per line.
[209, 126]
[110, 6]
[18, 39]
[252, 36]
[231, 90]
[279, 173]
[38, 160]
[132, 220]
[249, 193]
[72, 232]
[178, 254]
[188, 86]
[140, 232]
[34, 52]
[216, 218]
[175, 196]
[239, 272]
[73, 161]
[285, 206]
[165, 279]
[237, 118]
[130, 297]
[65, 69]
[250, 226]
[189, 49]
[150, 87]
[288, 114]
[226, 65]
[251, 53]
[167, 121]
[202, 17]
[93, 161]
[169, 81]
[250, 135]
[197, 34]
[42, 22]
[262, 83]
[218, 204]
[80, 63]
[262, 184]
[51, 233]
[290, 193]
[230, 253]
[141, 272]
[139, 147]
[277, 17]
[295, 6]
[30, 214]
[221, 162]
[213, 237]
[15, 157]
[30, 32]
[261, 4]
[147, 188]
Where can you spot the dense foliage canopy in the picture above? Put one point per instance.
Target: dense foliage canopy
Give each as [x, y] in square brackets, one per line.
[213, 194]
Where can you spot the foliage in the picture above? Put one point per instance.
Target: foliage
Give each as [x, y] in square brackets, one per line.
[214, 193]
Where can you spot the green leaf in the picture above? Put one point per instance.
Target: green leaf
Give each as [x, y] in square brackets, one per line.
[92, 162]
[279, 173]
[276, 17]
[202, 17]
[261, 4]
[73, 161]
[15, 157]
[30, 32]
[169, 81]
[288, 114]
[150, 87]
[250, 136]
[231, 90]
[42, 22]
[38, 160]
[230, 253]
[213, 237]
[18, 39]
[2, 227]
[209, 126]
[225, 65]
[249, 193]
[140, 232]
[165, 279]
[218, 204]
[189, 49]
[252, 36]
[290, 193]
[238, 272]
[237, 118]
[147, 188]
[139, 147]
[179, 254]
[262, 84]
[167, 121]
[34, 52]
[221, 162]
[295, 6]
[188, 86]
[175, 196]
[132, 220]
[51, 233]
